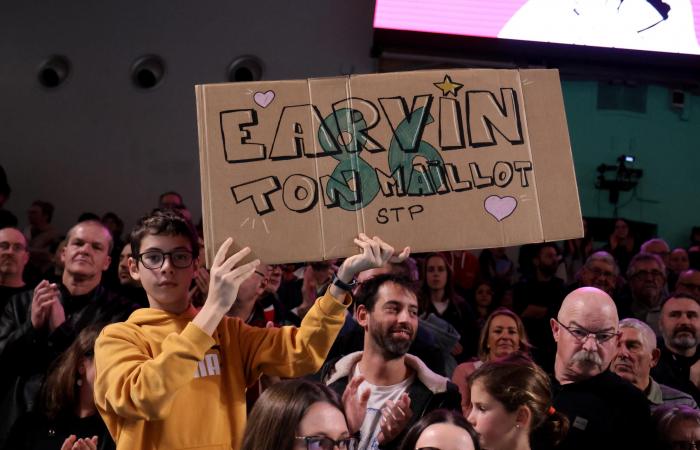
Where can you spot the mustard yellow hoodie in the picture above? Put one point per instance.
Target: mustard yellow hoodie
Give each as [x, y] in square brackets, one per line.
[162, 383]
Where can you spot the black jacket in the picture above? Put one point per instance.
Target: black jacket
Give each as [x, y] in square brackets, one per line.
[605, 412]
[26, 353]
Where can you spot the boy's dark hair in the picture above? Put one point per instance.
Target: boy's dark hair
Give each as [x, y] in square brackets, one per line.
[367, 294]
[163, 222]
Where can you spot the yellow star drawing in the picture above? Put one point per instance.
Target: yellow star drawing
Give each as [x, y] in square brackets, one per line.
[448, 86]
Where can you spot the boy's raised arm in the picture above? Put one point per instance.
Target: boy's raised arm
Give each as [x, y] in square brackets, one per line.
[225, 280]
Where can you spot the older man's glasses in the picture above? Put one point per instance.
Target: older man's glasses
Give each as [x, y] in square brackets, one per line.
[154, 259]
[581, 334]
[644, 274]
[601, 273]
[326, 443]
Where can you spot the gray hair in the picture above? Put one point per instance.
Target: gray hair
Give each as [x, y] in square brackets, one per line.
[642, 256]
[643, 248]
[648, 335]
[604, 257]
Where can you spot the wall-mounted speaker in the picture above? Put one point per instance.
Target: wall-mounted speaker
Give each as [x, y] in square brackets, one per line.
[54, 71]
[148, 71]
[245, 68]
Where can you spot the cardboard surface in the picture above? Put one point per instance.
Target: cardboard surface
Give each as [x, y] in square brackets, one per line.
[438, 160]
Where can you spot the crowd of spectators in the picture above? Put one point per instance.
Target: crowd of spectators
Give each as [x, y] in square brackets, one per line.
[572, 345]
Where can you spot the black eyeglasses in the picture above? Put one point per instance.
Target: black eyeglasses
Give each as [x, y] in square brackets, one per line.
[154, 259]
[645, 273]
[601, 273]
[581, 334]
[326, 443]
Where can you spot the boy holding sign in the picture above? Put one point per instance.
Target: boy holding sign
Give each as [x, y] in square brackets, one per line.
[172, 377]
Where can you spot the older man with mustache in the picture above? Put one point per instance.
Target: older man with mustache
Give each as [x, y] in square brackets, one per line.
[679, 364]
[605, 411]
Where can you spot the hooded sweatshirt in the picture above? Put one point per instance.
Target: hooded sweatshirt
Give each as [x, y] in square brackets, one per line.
[162, 383]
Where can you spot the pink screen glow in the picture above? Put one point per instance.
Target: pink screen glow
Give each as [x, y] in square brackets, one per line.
[667, 26]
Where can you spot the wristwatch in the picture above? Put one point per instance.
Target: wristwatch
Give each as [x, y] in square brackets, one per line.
[343, 285]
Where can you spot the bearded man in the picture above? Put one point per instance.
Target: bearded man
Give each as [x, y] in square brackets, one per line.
[385, 390]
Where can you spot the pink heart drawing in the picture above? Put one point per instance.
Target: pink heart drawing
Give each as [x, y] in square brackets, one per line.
[264, 98]
[500, 207]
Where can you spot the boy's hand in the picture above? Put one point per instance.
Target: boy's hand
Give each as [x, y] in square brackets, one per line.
[375, 253]
[225, 280]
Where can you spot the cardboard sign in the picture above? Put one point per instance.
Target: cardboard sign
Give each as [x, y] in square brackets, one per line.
[438, 160]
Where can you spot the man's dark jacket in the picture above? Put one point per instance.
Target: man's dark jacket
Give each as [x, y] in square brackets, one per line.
[26, 353]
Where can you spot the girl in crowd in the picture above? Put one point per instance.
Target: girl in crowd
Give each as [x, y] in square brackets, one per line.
[441, 429]
[66, 417]
[483, 301]
[502, 334]
[678, 427]
[512, 406]
[438, 297]
[298, 415]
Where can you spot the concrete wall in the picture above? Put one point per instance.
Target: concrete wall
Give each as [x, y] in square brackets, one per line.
[98, 143]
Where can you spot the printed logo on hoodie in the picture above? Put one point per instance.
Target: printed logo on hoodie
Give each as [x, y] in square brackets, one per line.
[209, 366]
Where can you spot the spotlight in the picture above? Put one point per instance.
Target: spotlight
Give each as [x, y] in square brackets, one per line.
[147, 72]
[245, 68]
[54, 71]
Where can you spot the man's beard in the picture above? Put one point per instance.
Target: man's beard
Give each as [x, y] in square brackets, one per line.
[684, 342]
[392, 348]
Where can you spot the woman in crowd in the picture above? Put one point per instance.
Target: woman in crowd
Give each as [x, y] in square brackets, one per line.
[298, 415]
[66, 417]
[502, 334]
[678, 427]
[438, 297]
[512, 406]
[441, 429]
[621, 244]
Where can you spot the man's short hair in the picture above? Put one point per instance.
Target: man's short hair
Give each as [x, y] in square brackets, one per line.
[641, 257]
[643, 248]
[678, 294]
[163, 222]
[367, 294]
[46, 209]
[110, 244]
[648, 335]
[605, 257]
